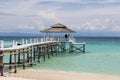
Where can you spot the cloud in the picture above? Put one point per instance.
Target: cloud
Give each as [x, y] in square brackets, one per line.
[108, 1]
[101, 25]
[27, 7]
[80, 15]
[109, 10]
[82, 1]
[18, 7]
[6, 14]
[47, 14]
[40, 25]
[95, 19]
[22, 27]
[96, 25]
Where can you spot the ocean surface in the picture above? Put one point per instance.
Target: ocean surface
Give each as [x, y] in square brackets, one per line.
[102, 56]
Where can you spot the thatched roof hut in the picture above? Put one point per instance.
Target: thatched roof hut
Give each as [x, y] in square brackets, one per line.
[58, 28]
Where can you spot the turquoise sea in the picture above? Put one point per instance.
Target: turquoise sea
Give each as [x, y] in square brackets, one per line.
[102, 56]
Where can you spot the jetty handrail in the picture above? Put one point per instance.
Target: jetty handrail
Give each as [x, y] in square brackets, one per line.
[73, 41]
[1, 44]
[23, 44]
[32, 42]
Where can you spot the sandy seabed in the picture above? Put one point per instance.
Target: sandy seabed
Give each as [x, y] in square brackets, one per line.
[55, 75]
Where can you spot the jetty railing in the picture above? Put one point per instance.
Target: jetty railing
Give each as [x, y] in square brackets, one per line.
[30, 50]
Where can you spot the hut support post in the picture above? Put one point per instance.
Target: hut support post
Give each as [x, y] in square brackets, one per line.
[83, 47]
[71, 48]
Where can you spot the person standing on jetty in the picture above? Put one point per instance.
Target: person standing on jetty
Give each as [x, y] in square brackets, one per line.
[67, 37]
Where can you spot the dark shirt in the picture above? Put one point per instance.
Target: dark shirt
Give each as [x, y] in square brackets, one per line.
[66, 36]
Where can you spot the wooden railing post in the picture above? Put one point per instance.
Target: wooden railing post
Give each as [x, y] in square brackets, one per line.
[1, 63]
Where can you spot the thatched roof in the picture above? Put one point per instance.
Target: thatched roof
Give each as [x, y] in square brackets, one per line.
[58, 28]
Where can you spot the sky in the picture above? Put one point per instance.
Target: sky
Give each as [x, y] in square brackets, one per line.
[86, 17]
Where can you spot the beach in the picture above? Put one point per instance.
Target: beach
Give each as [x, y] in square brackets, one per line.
[56, 75]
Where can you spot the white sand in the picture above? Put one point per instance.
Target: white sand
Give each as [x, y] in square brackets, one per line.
[12, 78]
[59, 75]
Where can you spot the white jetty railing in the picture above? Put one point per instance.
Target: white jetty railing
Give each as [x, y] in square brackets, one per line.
[1, 44]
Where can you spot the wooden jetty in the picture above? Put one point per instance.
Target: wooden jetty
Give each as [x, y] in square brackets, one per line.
[28, 51]
[33, 51]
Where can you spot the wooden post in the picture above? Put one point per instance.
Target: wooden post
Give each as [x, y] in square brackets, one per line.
[34, 52]
[1, 69]
[1, 57]
[27, 54]
[15, 62]
[10, 60]
[38, 51]
[63, 46]
[52, 49]
[55, 48]
[1, 63]
[31, 55]
[58, 47]
[18, 56]
[83, 47]
[23, 59]
[48, 50]
[44, 46]
[70, 48]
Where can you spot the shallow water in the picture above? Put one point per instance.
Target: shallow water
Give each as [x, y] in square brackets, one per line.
[94, 62]
[102, 56]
